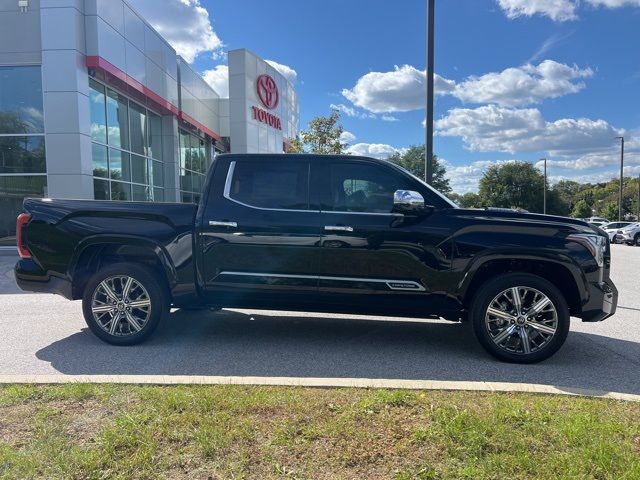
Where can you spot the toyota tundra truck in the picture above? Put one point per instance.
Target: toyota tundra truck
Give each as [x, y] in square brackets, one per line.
[339, 234]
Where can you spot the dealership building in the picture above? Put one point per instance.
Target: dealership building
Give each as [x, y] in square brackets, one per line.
[95, 104]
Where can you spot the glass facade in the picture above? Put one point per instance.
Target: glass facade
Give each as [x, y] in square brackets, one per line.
[195, 158]
[127, 148]
[22, 147]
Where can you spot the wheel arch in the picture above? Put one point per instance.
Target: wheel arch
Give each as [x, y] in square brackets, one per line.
[95, 252]
[565, 276]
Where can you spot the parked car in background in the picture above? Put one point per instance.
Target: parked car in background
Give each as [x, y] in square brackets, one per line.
[598, 224]
[629, 235]
[596, 220]
[614, 228]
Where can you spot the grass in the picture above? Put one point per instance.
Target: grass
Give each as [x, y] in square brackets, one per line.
[108, 431]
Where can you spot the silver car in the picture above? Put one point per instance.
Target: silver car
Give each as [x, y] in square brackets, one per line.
[630, 234]
[614, 228]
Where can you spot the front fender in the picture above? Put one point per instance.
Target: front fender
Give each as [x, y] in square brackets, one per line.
[555, 257]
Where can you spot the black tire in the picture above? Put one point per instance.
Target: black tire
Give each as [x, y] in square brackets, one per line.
[155, 291]
[491, 289]
[636, 240]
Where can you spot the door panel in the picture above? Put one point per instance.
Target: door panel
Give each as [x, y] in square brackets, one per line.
[375, 259]
[260, 239]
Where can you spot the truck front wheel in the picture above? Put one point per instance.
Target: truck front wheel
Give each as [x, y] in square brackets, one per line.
[124, 303]
[520, 318]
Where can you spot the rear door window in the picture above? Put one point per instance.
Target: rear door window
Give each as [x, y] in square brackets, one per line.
[269, 185]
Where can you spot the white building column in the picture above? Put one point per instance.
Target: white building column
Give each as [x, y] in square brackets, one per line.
[65, 86]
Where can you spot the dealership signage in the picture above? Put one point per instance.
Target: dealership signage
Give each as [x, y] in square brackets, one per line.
[269, 96]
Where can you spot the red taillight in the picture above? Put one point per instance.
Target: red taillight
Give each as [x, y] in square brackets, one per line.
[21, 222]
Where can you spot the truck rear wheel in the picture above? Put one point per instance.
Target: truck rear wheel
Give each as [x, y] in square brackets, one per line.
[520, 318]
[124, 303]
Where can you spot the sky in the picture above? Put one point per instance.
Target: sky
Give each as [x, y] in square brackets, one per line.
[515, 79]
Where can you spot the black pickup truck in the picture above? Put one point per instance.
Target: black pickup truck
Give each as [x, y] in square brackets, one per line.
[340, 234]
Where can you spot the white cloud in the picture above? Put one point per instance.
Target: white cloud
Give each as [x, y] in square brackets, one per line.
[218, 79]
[185, 24]
[389, 118]
[548, 44]
[288, 72]
[614, 3]
[403, 88]
[347, 137]
[218, 76]
[608, 159]
[375, 150]
[350, 111]
[465, 178]
[559, 10]
[523, 85]
[400, 90]
[491, 128]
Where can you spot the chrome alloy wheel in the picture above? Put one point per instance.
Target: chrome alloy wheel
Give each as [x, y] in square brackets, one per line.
[521, 320]
[121, 306]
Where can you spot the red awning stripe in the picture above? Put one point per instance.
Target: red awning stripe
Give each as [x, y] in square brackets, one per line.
[162, 104]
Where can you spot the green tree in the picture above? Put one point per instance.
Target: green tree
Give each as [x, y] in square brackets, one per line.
[295, 145]
[610, 211]
[467, 200]
[322, 136]
[581, 209]
[512, 185]
[413, 160]
[518, 185]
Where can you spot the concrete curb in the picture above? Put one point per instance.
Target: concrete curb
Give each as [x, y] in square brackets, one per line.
[317, 382]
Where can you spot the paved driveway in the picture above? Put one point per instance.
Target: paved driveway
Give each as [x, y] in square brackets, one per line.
[45, 334]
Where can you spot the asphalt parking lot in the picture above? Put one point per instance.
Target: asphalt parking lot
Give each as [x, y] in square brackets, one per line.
[45, 334]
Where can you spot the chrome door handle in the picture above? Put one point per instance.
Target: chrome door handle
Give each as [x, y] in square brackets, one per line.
[338, 228]
[214, 223]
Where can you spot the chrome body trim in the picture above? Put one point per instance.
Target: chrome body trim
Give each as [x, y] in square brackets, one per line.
[402, 285]
[227, 195]
[337, 228]
[215, 223]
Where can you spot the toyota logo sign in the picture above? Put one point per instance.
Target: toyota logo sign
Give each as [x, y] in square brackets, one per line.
[267, 91]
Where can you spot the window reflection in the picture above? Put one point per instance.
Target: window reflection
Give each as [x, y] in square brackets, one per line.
[132, 137]
[21, 100]
[22, 155]
[193, 165]
[98, 112]
[117, 120]
[22, 144]
[138, 129]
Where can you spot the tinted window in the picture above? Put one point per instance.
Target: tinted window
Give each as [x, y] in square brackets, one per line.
[98, 112]
[138, 119]
[22, 155]
[363, 188]
[271, 185]
[21, 100]
[117, 120]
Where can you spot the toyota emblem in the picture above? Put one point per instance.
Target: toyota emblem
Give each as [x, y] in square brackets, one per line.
[267, 91]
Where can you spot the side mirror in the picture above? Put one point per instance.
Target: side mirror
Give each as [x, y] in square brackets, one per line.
[410, 202]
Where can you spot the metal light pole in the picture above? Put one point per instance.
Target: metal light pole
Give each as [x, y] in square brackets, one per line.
[621, 176]
[544, 194]
[638, 216]
[428, 151]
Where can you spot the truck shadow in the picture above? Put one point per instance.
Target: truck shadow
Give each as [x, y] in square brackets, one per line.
[232, 343]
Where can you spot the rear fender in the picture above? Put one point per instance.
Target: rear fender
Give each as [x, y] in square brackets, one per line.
[123, 245]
